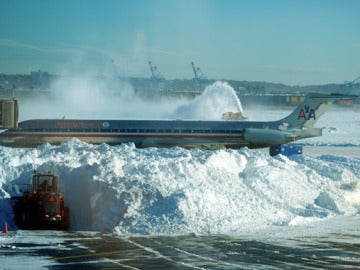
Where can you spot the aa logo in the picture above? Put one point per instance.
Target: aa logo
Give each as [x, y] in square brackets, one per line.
[306, 113]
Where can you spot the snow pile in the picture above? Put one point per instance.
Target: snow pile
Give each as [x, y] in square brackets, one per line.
[176, 191]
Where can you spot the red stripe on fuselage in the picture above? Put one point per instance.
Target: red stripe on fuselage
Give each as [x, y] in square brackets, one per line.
[82, 135]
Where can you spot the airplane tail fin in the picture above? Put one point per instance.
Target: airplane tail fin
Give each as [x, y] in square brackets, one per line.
[309, 111]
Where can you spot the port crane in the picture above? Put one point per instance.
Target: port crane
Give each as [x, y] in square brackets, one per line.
[353, 87]
[117, 74]
[155, 73]
[198, 74]
[199, 77]
[353, 82]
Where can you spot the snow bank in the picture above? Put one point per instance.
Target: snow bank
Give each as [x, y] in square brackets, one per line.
[176, 191]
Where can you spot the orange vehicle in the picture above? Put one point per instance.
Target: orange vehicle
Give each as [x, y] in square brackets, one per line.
[42, 206]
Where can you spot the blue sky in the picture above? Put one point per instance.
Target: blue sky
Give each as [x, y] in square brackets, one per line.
[288, 41]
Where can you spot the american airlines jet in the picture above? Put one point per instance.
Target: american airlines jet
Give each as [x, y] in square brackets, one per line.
[166, 133]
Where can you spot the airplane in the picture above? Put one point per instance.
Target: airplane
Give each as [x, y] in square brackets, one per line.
[167, 133]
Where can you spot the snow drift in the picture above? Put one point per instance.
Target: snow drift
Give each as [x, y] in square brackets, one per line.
[176, 191]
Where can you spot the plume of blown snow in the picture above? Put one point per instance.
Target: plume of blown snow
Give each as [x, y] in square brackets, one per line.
[217, 98]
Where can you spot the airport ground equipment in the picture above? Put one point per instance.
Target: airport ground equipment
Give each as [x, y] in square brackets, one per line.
[42, 206]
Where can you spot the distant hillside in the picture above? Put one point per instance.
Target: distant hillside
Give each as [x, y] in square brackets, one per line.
[43, 81]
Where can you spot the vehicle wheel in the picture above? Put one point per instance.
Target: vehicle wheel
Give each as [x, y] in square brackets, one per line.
[18, 208]
[25, 217]
[66, 221]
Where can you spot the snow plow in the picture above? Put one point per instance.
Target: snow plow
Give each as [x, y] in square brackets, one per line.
[41, 206]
